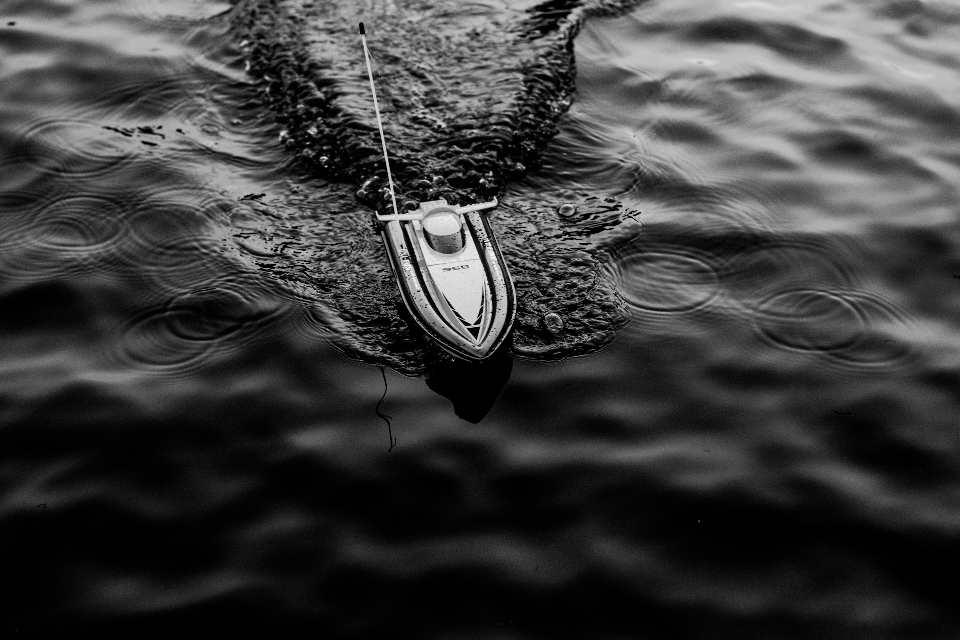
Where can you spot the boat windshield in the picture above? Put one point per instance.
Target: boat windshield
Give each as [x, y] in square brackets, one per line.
[444, 232]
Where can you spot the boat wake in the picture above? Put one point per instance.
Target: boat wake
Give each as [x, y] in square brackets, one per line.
[319, 246]
[471, 97]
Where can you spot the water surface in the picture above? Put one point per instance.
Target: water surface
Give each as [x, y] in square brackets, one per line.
[753, 436]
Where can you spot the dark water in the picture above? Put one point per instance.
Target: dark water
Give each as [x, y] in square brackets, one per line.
[751, 432]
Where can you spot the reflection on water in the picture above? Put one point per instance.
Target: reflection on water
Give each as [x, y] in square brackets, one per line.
[74, 148]
[731, 408]
[798, 294]
[472, 387]
[203, 323]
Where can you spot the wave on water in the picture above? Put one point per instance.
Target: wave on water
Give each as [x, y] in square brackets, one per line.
[748, 219]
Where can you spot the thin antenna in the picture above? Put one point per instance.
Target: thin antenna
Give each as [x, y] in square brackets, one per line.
[376, 107]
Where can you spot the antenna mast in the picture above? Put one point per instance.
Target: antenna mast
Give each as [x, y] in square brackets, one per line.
[376, 107]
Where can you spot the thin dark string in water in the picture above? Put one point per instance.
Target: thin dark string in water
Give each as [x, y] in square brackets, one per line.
[385, 417]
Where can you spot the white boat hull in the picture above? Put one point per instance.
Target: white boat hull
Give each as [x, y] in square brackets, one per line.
[464, 301]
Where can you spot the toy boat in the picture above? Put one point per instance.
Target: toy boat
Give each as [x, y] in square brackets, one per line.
[448, 266]
[452, 276]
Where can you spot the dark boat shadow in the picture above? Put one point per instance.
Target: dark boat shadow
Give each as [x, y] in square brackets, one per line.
[472, 387]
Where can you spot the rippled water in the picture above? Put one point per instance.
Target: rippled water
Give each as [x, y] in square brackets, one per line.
[734, 406]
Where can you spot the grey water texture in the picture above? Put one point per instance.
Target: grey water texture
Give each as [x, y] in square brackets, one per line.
[733, 410]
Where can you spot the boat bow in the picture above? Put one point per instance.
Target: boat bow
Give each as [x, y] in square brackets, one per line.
[452, 276]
